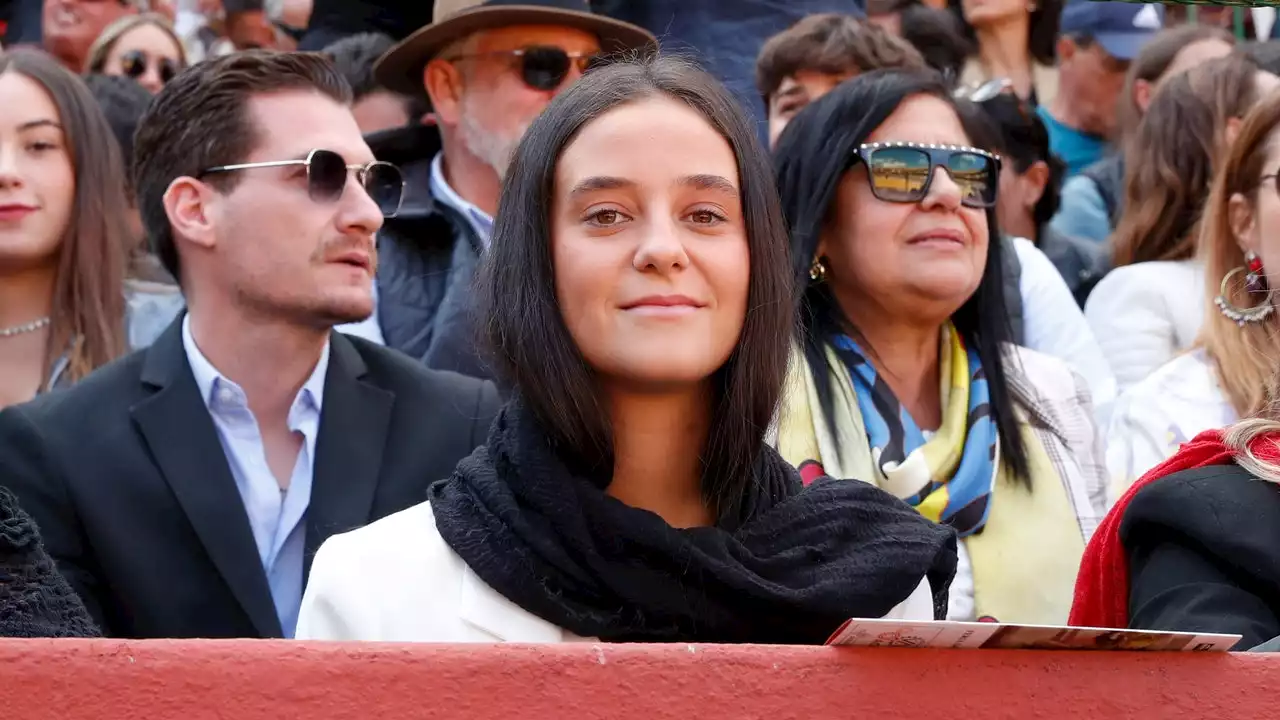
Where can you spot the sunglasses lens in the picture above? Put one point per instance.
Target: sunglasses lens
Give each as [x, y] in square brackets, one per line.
[544, 68]
[899, 174]
[385, 184]
[167, 70]
[134, 64]
[326, 175]
[977, 177]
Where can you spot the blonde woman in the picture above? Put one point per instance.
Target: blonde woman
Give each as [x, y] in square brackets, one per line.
[1192, 547]
[143, 47]
[1230, 373]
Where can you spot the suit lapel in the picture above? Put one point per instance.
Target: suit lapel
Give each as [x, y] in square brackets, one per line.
[353, 434]
[176, 426]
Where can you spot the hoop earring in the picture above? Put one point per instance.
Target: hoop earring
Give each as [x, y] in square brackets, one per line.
[1255, 283]
[818, 271]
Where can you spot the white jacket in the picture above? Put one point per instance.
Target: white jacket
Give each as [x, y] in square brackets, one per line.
[1151, 419]
[398, 580]
[1144, 315]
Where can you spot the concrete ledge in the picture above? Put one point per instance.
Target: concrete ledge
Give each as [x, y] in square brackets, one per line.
[270, 680]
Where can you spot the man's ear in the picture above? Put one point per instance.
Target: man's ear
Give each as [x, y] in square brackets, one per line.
[444, 83]
[1066, 49]
[189, 204]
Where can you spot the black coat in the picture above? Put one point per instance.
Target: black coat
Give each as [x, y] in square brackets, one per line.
[125, 476]
[1204, 554]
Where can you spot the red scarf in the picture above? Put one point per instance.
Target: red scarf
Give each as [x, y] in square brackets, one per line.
[1102, 588]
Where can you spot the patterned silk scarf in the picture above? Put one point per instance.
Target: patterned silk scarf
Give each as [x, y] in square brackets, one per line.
[949, 475]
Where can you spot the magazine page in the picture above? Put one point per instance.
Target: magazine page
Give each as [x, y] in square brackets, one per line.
[961, 635]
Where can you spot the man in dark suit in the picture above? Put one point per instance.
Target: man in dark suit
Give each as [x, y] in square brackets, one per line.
[183, 490]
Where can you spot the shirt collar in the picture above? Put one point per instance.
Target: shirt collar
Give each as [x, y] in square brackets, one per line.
[479, 219]
[208, 377]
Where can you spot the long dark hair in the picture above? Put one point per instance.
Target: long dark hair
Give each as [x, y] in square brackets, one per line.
[523, 325]
[88, 295]
[1022, 139]
[815, 151]
[1042, 29]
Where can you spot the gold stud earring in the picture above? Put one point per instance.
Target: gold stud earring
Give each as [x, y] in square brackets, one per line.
[818, 271]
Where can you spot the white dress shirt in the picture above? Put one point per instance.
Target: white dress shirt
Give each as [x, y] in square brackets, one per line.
[398, 580]
[480, 221]
[277, 517]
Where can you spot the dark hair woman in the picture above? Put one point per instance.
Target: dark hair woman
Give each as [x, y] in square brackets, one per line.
[1030, 183]
[1014, 39]
[638, 298]
[904, 377]
[65, 308]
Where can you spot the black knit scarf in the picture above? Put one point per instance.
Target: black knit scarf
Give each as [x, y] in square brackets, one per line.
[799, 562]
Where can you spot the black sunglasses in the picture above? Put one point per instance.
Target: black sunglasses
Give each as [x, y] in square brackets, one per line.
[544, 67]
[901, 172]
[327, 178]
[134, 64]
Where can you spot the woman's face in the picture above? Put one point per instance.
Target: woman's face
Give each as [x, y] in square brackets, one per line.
[979, 13]
[37, 180]
[918, 260]
[1257, 222]
[147, 54]
[649, 245]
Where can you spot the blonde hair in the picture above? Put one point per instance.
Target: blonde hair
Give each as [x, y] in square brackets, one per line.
[1239, 438]
[101, 48]
[1244, 356]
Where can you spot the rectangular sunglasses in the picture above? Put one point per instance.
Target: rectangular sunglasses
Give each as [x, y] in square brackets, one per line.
[327, 178]
[901, 172]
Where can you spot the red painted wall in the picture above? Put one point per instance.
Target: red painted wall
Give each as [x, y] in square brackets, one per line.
[260, 680]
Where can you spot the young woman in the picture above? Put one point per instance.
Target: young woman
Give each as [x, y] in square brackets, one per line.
[905, 378]
[1230, 373]
[1015, 39]
[1141, 312]
[65, 308]
[143, 47]
[638, 299]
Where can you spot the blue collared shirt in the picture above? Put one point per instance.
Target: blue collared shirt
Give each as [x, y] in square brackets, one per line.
[277, 517]
[440, 190]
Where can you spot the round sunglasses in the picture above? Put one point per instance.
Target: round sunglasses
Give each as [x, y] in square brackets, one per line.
[543, 67]
[901, 172]
[135, 62]
[327, 178]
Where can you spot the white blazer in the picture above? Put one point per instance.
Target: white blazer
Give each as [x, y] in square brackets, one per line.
[398, 580]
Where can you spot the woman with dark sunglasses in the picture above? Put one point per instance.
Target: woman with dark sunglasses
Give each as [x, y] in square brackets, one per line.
[143, 47]
[638, 300]
[905, 377]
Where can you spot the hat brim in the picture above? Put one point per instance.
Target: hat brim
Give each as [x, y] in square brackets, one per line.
[400, 69]
[1123, 46]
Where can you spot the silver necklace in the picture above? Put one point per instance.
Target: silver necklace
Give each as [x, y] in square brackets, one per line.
[25, 327]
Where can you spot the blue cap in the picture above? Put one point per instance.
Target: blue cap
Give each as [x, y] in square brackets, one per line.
[1121, 28]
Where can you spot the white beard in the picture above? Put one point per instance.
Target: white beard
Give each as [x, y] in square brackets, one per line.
[492, 149]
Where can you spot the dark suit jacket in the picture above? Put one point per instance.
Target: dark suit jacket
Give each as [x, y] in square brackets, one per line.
[1204, 554]
[127, 480]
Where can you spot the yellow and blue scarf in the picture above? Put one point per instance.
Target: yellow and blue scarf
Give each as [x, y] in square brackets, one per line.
[949, 476]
